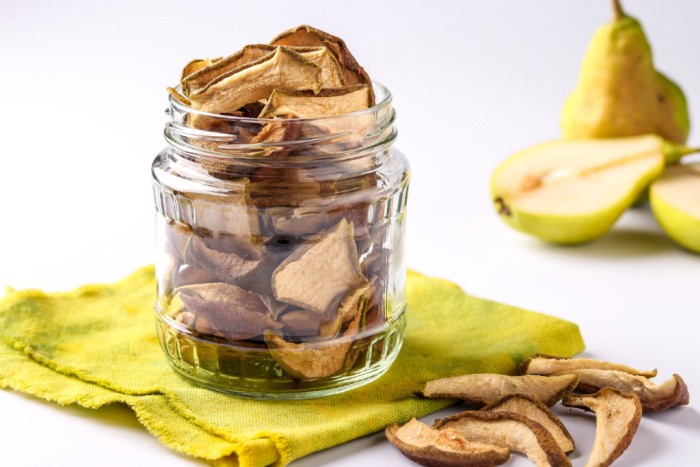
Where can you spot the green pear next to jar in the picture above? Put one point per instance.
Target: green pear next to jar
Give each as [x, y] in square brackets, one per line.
[675, 200]
[619, 91]
[572, 191]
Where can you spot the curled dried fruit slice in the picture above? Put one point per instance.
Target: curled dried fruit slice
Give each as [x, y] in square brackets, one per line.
[196, 65]
[431, 447]
[325, 103]
[198, 78]
[654, 397]
[538, 412]
[227, 310]
[350, 306]
[316, 274]
[313, 360]
[547, 364]
[487, 388]
[617, 417]
[305, 35]
[515, 431]
[256, 80]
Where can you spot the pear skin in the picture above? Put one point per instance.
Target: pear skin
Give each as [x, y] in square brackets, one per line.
[675, 201]
[619, 92]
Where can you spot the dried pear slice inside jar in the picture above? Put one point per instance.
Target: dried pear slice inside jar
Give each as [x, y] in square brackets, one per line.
[305, 35]
[313, 360]
[654, 397]
[229, 311]
[350, 306]
[617, 417]
[538, 412]
[317, 273]
[325, 103]
[548, 364]
[428, 446]
[510, 429]
[256, 80]
[487, 388]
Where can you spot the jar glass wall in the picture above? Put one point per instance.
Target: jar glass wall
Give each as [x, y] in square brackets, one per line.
[280, 250]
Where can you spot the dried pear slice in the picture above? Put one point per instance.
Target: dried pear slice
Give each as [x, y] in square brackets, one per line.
[428, 446]
[196, 65]
[548, 364]
[617, 417]
[654, 397]
[301, 323]
[317, 273]
[190, 275]
[235, 313]
[226, 267]
[487, 388]
[285, 69]
[313, 360]
[179, 97]
[305, 35]
[199, 79]
[538, 412]
[349, 307]
[510, 429]
[325, 103]
[249, 274]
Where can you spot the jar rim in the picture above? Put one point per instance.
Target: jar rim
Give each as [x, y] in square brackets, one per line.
[379, 90]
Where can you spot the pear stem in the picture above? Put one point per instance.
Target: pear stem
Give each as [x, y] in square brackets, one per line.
[675, 152]
[617, 8]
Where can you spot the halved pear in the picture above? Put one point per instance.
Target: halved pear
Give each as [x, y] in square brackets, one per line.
[574, 191]
[675, 200]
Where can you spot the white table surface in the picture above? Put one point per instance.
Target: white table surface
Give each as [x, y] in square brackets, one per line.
[81, 115]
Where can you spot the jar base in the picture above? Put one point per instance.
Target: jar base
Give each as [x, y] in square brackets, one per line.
[251, 372]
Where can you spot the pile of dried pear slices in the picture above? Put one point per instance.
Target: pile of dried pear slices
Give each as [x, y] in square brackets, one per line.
[511, 413]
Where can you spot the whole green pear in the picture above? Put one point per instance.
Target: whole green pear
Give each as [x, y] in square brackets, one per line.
[619, 92]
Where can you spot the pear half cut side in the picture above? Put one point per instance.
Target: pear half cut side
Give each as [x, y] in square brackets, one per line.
[573, 191]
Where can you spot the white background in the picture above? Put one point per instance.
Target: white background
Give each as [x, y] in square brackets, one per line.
[81, 113]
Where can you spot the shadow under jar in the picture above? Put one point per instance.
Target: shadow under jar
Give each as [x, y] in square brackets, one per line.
[280, 261]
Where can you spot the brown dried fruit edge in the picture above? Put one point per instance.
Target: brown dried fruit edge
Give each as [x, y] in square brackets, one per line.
[523, 423]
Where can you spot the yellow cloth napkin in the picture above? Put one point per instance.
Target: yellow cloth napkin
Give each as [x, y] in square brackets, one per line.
[97, 345]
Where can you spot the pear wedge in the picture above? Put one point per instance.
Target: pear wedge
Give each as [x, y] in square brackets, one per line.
[573, 191]
[675, 200]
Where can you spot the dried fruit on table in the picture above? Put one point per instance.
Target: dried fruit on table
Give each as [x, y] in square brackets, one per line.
[509, 429]
[227, 310]
[487, 388]
[537, 412]
[317, 274]
[305, 35]
[617, 417]
[547, 364]
[313, 360]
[427, 446]
[654, 397]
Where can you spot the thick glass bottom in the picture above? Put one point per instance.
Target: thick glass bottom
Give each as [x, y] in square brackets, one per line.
[249, 370]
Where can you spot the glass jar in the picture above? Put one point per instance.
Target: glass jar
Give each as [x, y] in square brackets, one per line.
[280, 262]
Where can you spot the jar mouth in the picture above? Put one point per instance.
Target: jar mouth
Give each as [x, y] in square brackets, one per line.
[197, 134]
[382, 95]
